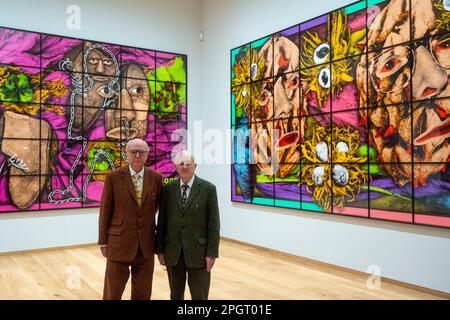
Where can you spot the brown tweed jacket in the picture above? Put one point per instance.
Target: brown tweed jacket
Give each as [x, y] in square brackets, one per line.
[123, 224]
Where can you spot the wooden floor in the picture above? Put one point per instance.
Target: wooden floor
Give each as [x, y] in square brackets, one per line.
[242, 272]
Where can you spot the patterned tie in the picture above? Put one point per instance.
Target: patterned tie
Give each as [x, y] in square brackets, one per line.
[136, 188]
[184, 196]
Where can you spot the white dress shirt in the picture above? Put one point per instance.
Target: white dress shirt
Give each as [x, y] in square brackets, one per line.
[141, 177]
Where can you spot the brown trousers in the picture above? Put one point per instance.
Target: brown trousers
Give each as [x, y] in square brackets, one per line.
[117, 274]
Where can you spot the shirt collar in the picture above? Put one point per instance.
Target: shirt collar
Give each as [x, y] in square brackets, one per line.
[140, 173]
[190, 183]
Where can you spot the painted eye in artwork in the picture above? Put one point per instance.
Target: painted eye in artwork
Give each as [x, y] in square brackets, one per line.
[321, 53]
[293, 83]
[340, 175]
[441, 51]
[137, 90]
[105, 92]
[390, 65]
[325, 78]
[253, 71]
[317, 175]
[322, 151]
[342, 147]
[443, 43]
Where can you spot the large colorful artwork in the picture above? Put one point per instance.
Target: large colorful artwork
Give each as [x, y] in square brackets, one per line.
[67, 109]
[348, 114]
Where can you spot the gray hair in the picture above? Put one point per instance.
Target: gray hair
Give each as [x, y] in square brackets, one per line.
[182, 156]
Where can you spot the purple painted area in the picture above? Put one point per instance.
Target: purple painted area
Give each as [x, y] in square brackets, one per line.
[49, 206]
[167, 56]
[290, 31]
[62, 77]
[4, 196]
[143, 57]
[56, 48]
[357, 21]
[313, 23]
[234, 196]
[287, 190]
[164, 59]
[19, 48]
[94, 190]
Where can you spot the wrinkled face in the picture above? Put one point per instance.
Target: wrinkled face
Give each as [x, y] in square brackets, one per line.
[185, 167]
[417, 71]
[137, 154]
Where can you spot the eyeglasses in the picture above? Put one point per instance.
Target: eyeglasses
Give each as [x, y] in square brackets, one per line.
[391, 71]
[136, 152]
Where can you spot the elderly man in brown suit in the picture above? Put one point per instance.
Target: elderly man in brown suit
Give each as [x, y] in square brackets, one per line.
[127, 225]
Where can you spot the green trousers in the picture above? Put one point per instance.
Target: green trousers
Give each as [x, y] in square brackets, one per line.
[198, 280]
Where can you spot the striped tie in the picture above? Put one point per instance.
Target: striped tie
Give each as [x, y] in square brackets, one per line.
[184, 196]
[136, 188]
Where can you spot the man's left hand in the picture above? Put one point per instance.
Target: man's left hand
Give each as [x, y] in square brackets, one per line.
[209, 263]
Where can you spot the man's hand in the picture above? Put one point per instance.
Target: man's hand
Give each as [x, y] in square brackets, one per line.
[162, 259]
[209, 263]
[103, 250]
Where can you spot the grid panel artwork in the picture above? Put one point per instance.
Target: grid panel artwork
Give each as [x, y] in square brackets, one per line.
[67, 109]
[347, 114]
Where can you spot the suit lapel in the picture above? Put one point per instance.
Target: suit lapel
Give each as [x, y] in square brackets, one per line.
[178, 195]
[193, 193]
[128, 181]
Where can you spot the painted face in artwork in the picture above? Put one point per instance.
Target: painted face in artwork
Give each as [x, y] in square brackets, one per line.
[277, 141]
[100, 65]
[399, 71]
[130, 118]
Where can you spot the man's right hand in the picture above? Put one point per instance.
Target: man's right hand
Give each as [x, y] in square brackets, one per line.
[103, 250]
[162, 259]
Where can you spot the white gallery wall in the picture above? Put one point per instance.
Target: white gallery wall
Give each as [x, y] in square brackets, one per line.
[415, 254]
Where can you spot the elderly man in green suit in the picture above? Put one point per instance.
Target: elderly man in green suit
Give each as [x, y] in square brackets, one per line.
[187, 238]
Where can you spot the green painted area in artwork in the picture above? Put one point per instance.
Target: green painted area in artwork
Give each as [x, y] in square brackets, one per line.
[265, 201]
[233, 111]
[259, 43]
[101, 165]
[17, 88]
[266, 179]
[170, 93]
[241, 50]
[355, 38]
[355, 7]
[374, 2]
[287, 203]
[234, 53]
[311, 207]
[174, 72]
